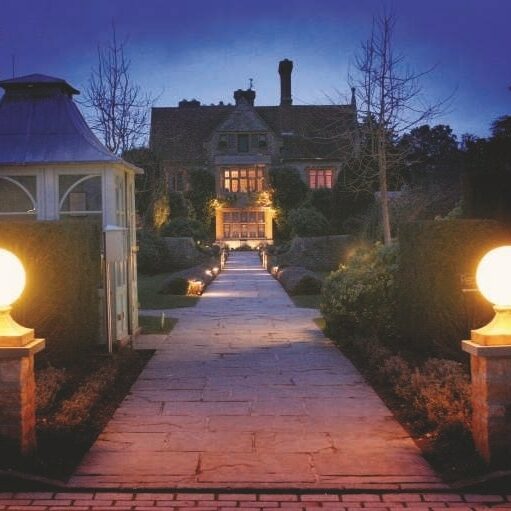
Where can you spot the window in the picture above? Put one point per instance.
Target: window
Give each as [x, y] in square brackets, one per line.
[243, 143]
[80, 194]
[222, 142]
[244, 224]
[177, 181]
[320, 178]
[262, 141]
[243, 179]
[18, 195]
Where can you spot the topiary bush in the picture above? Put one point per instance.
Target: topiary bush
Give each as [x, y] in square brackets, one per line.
[185, 228]
[307, 222]
[361, 297]
[433, 256]
[153, 254]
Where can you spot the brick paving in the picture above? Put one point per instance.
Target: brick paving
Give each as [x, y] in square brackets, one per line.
[246, 392]
[256, 501]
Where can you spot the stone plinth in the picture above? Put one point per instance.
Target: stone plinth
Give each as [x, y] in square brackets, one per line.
[491, 400]
[17, 395]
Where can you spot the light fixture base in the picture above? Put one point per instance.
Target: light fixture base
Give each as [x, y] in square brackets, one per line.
[13, 335]
[497, 332]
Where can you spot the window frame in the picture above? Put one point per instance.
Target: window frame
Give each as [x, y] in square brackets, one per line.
[319, 178]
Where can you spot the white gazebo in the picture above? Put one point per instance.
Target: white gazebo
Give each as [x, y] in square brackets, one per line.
[53, 167]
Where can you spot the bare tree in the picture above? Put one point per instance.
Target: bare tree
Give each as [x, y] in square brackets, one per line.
[390, 101]
[120, 110]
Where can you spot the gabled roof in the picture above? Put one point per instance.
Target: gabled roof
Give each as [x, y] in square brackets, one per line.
[40, 123]
[308, 132]
[243, 118]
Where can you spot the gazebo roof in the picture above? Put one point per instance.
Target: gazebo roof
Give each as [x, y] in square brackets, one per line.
[40, 123]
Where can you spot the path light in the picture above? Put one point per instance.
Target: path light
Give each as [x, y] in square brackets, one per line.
[17, 349]
[493, 278]
[490, 361]
[215, 270]
[12, 284]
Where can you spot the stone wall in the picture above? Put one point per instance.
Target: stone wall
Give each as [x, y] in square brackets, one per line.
[321, 253]
[183, 253]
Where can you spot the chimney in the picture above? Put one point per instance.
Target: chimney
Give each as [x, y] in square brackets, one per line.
[285, 69]
[247, 95]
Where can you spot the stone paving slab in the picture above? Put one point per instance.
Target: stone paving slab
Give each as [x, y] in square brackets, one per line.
[247, 392]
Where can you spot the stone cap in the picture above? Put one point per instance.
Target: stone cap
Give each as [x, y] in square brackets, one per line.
[27, 350]
[480, 350]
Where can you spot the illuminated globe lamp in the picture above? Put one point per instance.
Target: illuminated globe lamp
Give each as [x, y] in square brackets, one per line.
[17, 350]
[490, 361]
[493, 279]
[12, 283]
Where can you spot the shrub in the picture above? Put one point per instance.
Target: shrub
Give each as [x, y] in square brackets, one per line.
[185, 228]
[153, 256]
[289, 189]
[307, 222]
[442, 390]
[201, 193]
[433, 257]
[63, 266]
[361, 296]
[49, 382]
[180, 206]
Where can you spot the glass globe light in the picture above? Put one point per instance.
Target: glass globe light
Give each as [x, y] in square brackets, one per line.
[493, 276]
[12, 278]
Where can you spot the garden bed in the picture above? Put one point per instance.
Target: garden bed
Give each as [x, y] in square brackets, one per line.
[74, 405]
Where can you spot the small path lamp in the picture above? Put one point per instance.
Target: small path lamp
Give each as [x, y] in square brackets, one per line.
[17, 349]
[490, 360]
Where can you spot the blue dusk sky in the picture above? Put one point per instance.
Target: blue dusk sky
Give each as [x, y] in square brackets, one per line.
[206, 49]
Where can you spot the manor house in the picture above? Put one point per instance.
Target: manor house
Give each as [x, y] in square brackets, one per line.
[239, 143]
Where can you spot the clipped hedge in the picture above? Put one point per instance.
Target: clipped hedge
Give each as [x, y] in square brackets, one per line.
[63, 267]
[432, 258]
[360, 297]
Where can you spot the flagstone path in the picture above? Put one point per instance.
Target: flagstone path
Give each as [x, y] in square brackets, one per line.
[246, 392]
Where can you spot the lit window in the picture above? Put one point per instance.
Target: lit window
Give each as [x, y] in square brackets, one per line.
[320, 178]
[244, 224]
[243, 180]
[243, 143]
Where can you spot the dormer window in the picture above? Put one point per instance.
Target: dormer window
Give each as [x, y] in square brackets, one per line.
[262, 141]
[222, 142]
[243, 143]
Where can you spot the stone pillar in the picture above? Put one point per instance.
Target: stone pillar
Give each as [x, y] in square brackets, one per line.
[17, 395]
[268, 224]
[491, 400]
[219, 224]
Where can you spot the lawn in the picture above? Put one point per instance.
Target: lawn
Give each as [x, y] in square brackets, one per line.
[153, 324]
[149, 298]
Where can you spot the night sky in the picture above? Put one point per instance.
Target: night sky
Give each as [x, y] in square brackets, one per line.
[207, 49]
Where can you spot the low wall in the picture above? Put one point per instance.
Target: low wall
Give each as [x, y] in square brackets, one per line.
[183, 253]
[321, 253]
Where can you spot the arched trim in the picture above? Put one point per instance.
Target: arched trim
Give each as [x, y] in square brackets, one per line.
[74, 185]
[24, 188]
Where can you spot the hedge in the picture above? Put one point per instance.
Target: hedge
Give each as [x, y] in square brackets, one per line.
[433, 256]
[60, 301]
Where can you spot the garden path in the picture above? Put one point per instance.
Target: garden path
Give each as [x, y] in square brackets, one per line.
[246, 392]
